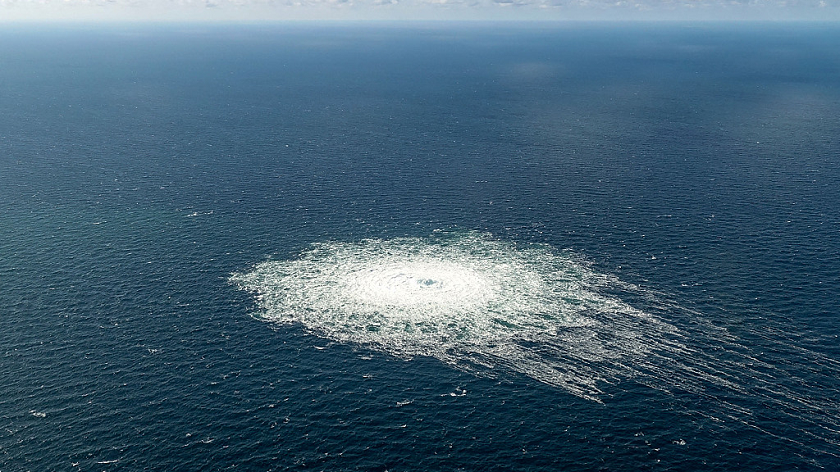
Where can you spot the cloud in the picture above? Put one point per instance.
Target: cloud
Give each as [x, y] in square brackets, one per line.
[220, 10]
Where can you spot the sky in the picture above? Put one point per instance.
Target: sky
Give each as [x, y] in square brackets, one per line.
[458, 10]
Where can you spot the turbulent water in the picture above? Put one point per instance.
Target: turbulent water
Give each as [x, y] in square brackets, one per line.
[424, 247]
[489, 306]
[464, 299]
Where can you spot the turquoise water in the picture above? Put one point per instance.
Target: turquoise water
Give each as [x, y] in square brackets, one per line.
[436, 247]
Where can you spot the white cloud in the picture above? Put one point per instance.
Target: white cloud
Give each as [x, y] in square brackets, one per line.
[221, 10]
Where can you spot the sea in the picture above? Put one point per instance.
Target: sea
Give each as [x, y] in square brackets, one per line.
[420, 246]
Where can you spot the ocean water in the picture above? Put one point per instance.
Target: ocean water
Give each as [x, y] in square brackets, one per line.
[423, 247]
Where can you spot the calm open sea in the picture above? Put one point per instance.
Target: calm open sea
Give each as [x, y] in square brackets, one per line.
[424, 247]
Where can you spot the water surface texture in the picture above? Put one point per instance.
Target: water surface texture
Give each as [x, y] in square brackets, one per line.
[425, 247]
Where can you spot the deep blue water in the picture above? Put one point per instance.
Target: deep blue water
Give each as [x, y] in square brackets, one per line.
[141, 166]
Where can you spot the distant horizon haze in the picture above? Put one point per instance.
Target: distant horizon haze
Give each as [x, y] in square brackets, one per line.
[413, 10]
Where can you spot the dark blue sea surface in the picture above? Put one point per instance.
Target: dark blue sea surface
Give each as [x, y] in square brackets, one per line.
[687, 176]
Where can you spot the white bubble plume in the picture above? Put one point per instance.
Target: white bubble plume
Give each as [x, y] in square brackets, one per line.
[468, 300]
[493, 307]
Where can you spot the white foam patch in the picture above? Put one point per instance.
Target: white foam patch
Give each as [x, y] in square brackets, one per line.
[468, 300]
[493, 307]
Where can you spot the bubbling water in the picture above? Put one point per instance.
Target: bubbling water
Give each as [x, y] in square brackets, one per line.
[468, 300]
[429, 286]
[492, 307]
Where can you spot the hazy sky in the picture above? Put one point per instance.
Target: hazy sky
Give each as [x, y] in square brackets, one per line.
[248, 10]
